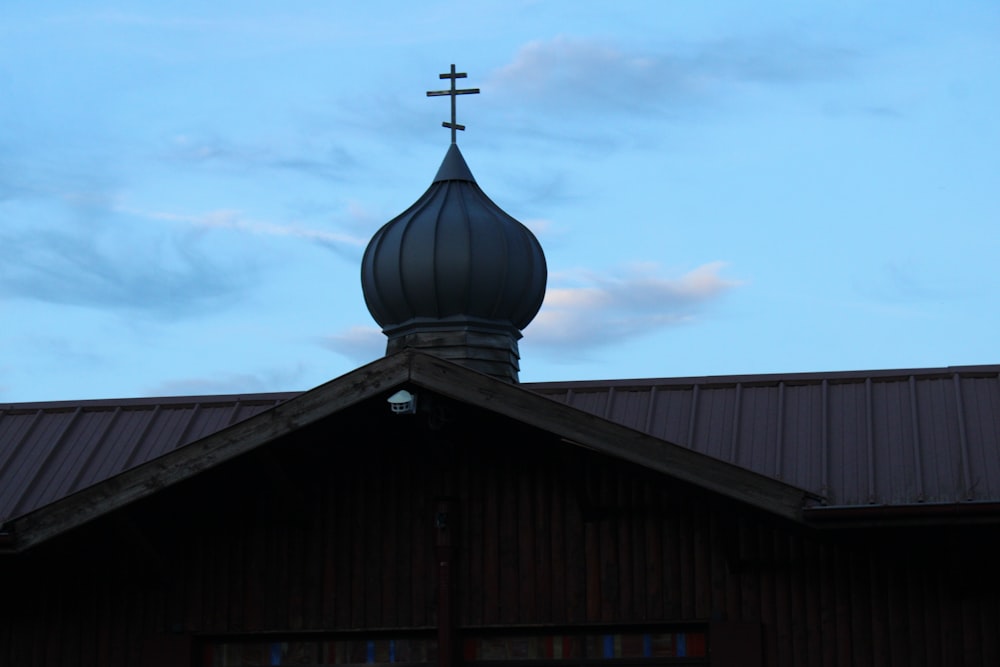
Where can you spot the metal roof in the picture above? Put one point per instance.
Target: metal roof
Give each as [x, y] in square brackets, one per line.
[51, 450]
[905, 437]
[857, 439]
[426, 374]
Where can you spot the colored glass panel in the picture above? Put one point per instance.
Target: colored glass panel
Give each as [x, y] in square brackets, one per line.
[590, 647]
[595, 647]
[320, 652]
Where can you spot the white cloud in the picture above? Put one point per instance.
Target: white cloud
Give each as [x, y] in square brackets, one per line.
[360, 344]
[565, 69]
[595, 75]
[231, 383]
[585, 309]
[600, 309]
[234, 220]
[540, 227]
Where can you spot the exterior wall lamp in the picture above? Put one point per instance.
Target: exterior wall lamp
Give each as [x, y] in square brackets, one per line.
[403, 403]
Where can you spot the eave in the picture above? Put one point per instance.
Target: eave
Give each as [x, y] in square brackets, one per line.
[415, 370]
[916, 514]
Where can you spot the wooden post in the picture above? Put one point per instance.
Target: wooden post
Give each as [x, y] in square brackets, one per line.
[444, 520]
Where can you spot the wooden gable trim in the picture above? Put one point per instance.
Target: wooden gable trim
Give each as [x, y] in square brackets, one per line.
[426, 372]
[601, 435]
[201, 455]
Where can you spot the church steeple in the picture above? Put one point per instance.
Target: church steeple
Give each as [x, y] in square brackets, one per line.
[454, 274]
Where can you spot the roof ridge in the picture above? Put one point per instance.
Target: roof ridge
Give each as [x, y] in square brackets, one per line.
[148, 401]
[769, 378]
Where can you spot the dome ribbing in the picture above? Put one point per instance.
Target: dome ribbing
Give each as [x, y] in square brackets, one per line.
[455, 275]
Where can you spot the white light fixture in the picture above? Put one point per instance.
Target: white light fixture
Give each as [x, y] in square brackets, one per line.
[403, 402]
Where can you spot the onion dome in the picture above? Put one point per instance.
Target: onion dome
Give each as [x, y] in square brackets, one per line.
[455, 275]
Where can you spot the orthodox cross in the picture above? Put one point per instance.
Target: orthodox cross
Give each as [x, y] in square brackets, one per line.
[453, 75]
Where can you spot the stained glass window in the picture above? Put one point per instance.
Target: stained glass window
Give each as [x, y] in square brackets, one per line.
[578, 648]
[320, 652]
[588, 647]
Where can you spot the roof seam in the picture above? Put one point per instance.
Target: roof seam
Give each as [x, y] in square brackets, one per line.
[182, 438]
[30, 486]
[130, 459]
[825, 441]
[779, 444]
[915, 422]
[963, 438]
[75, 481]
[735, 435]
[870, 440]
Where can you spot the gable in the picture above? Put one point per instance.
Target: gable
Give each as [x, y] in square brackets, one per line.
[333, 525]
[329, 533]
[51, 450]
[328, 529]
[420, 372]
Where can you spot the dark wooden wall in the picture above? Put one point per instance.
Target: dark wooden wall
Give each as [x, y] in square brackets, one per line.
[333, 529]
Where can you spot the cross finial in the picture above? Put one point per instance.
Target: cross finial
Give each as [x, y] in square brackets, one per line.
[453, 92]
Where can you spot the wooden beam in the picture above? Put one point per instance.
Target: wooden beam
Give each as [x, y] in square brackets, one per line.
[201, 455]
[434, 374]
[592, 432]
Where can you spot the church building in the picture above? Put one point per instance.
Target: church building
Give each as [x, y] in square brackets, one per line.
[428, 509]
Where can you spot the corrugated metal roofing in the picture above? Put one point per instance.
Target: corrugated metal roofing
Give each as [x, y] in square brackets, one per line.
[51, 450]
[856, 438]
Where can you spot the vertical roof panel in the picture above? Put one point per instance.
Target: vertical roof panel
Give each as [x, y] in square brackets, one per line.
[124, 436]
[757, 429]
[802, 449]
[36, 446]
[14, 425]
[981, 398]
[672, 414]
[51, 450]
[857, 437]
[848, 433]
[893, 429]
[629, 407]
[939, 446]
[76, 447]
[594, 402]
[713, 427]
[166, 433]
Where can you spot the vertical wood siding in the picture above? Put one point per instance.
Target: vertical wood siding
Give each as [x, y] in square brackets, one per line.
[314, 535]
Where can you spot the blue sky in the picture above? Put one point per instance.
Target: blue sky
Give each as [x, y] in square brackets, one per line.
[729, 187]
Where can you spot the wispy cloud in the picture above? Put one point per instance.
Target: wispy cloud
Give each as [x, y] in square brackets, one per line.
[585, 309]
[62, 242]
[72, 268]
[327, 162]
[359, 344]
[175, 30]
[914, 284]
[66, 349]
[594, 76]
[231, 383]
[237, 221]
[90, 257]
[542, 227]
[588, 309]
